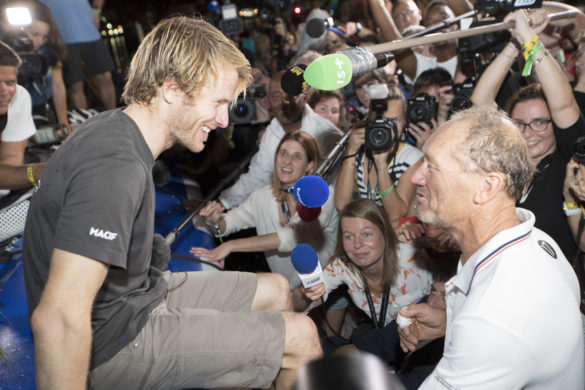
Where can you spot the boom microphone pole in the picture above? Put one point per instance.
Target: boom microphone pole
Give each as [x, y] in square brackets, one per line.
[333, 157]
[173, 234]
[442, 25]
[335, 71]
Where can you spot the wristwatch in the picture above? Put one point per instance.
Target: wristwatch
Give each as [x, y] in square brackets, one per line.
[571, 209]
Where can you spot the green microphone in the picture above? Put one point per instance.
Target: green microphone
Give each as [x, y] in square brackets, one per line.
[329, 72]
[335, 71]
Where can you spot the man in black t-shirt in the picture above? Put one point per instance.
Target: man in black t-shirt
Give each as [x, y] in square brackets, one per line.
[101, 315]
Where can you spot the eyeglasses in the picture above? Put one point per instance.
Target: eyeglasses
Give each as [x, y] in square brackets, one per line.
[537, 125]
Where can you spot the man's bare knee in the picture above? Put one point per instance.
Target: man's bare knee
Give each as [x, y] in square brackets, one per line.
[272, 293]
[302, 341]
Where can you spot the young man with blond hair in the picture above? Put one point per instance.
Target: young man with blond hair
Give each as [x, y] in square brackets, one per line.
[100, 314]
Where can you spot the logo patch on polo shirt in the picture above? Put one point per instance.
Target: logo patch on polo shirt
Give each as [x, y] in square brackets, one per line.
[547, 248]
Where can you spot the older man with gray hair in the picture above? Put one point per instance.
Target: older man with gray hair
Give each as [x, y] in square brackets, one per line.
[512, 317]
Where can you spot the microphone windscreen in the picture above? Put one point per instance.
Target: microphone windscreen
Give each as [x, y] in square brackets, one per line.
[304, 258]
[161, 252]
[311, 191]
[293, 81]
[315, 28]
[308, 214]
[161, 175]
[329, 72]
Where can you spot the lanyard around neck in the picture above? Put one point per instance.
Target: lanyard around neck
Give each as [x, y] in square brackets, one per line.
[378, 322]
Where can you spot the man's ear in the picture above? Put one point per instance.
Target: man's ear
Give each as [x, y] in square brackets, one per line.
[490, 185]
[170, 91]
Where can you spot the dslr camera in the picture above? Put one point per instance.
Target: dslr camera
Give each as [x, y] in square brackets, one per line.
[422, 108]
[381, 132]
[462, 98]
[244, 110]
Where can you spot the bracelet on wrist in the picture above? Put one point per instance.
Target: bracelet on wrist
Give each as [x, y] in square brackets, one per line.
[528, 56]
[539, 60]
[529, 45]
[388, 190]
[30, 175]
[217, 230]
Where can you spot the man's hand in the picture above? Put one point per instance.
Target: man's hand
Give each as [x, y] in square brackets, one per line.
[428, 323]
[408, 232]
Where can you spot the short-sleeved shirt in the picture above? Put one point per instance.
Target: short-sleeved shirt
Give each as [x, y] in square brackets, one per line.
[96, 199]
[412, 283]
[513, 319]
[19, 123]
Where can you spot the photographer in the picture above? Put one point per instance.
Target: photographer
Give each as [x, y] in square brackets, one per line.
[430, 106]
[16, 122]
[548, 118]
[382, 175]
[48, 92]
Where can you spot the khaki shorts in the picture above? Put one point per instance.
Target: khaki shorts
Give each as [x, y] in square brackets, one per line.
[202, 335]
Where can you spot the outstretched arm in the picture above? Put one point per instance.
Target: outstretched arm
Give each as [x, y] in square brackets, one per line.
[557, 90]
[405, 59]
[487, 87]
[262, 243]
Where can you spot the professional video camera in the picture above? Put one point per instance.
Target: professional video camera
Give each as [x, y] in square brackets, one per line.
[33, 65]
[422, 108]
[244, 110]
[381, 132]
[483, 43]
[493, 42]
[500, 8]
[462, 98]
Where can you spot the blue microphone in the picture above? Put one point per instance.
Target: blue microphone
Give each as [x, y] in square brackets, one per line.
[306, 262]
[310, 191]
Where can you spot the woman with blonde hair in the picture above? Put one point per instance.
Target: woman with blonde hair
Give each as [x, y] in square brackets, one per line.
[272, 210]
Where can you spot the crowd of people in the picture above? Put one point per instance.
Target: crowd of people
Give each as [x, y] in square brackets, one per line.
[466, 223]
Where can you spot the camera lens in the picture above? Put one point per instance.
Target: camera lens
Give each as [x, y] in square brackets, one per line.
[417, 113]
[241, 110]
[460, 102]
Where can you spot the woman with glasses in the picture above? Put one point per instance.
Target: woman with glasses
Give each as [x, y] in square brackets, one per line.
[548, 118]
[273, 212]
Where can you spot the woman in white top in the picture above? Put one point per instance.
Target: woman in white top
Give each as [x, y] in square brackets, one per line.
[273, 212]
[381, 275]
